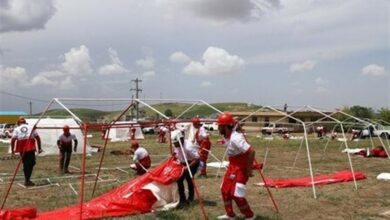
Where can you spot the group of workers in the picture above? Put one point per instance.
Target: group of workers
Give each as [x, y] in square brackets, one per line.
[192, 153]
[25, 141]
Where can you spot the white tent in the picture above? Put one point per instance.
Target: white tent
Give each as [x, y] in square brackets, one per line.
[49, 129]
[122, 131]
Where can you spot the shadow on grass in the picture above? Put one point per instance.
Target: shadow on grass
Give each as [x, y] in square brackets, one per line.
[167, 215]
[207, 203]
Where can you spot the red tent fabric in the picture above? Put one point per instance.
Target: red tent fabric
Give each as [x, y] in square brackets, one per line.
[20, 213]
[341, 176]
[128, 199]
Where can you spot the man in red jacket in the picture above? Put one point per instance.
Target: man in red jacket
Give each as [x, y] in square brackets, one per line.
[241, 156]
[24, 140]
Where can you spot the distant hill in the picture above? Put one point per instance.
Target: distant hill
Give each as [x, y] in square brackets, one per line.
[201, 109]
[170, 109]
[84, 114]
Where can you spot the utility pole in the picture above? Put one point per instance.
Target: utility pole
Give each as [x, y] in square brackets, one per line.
[137, 90]
[30, 103]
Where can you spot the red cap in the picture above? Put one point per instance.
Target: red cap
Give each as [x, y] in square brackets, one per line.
[225, 119]
[195, 121]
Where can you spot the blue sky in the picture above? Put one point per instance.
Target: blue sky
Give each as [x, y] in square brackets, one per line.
[327, 54]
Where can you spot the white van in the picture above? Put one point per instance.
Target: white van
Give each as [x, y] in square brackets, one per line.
[6, 130]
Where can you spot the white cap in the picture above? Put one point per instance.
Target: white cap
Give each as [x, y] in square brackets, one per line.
[176, 135]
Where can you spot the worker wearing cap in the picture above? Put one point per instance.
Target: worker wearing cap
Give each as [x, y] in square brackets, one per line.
[141, 158]
[24, 141]
[201, 139]
[241, 156]
[161, 134]
[185, 154]
[64, 144]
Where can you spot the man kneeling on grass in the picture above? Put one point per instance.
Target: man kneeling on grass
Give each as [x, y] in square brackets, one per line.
[141, 158]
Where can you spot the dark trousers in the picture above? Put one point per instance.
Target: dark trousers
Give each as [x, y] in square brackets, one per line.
[180, 183]
[65, 156]
[28, 159]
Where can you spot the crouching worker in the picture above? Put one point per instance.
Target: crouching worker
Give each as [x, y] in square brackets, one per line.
[141, 158]
[185, 153]
[241, 156]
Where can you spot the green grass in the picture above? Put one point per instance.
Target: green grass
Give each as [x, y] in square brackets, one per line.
[335, 201]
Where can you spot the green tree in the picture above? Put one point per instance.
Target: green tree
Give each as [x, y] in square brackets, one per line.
[384, 114]
[168, 113]
[362, 112]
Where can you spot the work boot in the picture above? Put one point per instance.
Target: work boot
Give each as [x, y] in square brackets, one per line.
[226, 217]
[182, 205]
[29, 183]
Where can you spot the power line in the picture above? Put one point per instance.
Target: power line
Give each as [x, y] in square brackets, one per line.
[23, 97]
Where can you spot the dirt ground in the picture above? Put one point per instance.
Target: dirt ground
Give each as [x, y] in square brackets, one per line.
[334, 201]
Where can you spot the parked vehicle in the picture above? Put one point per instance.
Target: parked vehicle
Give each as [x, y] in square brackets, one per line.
[150, 130]
[273, 128]
[6, 130]
[210, 126]
[379, 131]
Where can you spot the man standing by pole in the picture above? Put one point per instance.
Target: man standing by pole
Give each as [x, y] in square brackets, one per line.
[64, 143]
[201, 138]
[241, 156]
[24, 140]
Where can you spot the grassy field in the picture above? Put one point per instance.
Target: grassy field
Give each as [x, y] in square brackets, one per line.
[335, 201]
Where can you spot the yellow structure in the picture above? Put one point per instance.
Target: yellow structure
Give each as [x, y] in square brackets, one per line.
[10, 116]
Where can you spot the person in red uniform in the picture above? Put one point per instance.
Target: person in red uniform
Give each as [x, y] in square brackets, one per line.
[24, 141]
[161, 134]
[201, 139]
[141, 158]
[241, 157]
[64, 144]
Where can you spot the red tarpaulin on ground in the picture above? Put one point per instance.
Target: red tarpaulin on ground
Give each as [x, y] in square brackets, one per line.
[341, 176]
[128, 199]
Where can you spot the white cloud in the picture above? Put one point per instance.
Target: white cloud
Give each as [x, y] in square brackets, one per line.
[149, 74]
[25, 15]
[302, 67]
[67, 84]
[78, 61]
[222, 11]
[147, 63]
[321, 89]
[179, 57]
[116, 67]
[42, 80]
[49, 78]
[206, 84]
[216, 61]
[374, 70]
[321, 81]
[13, 77]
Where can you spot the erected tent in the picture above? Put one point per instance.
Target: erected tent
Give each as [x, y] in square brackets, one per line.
[49, 129]
[122, 131]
